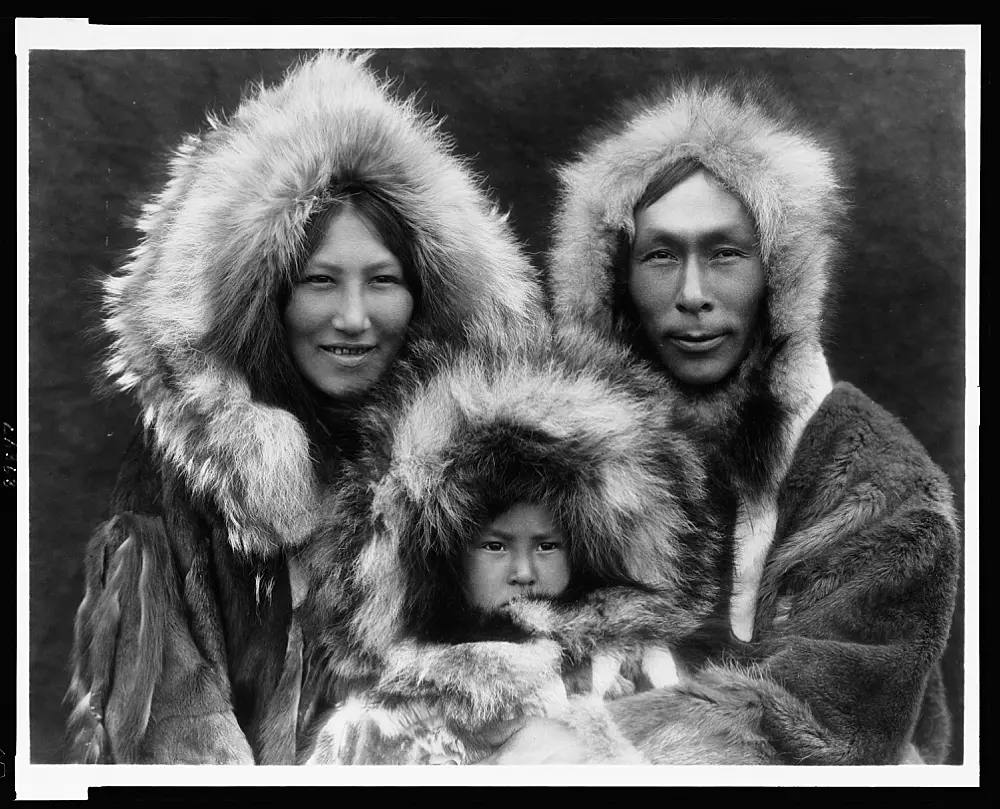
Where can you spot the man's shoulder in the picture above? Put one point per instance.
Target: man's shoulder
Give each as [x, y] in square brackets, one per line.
[852, 427]
[849, 409]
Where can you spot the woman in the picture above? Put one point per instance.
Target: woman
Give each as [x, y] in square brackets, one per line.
[292, 258]
[702, 230]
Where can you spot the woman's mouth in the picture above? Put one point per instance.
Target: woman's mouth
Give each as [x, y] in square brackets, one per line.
[349, 355]
[696, 343]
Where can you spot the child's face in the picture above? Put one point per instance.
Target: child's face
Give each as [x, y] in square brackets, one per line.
[521, 552]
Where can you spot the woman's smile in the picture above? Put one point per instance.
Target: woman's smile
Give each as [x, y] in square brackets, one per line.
[349, 356]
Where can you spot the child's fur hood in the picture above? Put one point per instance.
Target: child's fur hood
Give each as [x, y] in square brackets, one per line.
[578, 428]
[194, 311]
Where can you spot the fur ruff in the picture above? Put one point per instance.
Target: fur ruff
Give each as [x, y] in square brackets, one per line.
[196, 300]
[571, 424]
[787, 179]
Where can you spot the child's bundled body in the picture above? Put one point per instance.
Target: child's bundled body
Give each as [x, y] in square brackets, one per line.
[532, 539]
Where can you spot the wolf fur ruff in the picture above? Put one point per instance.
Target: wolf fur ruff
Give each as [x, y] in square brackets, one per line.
[785, 176]
[746, 136]
[585, 432]
[227, 230]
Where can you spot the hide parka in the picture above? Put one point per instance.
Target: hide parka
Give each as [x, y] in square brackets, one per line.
[845, 543]
[403, 670]
[186, 650]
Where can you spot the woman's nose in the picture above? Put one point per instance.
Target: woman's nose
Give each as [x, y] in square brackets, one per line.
[351, 313]
[693, 295]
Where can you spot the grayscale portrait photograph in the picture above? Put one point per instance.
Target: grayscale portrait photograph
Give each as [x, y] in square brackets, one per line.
[497, 405]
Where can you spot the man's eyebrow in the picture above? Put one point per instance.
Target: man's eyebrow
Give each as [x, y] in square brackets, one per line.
[658, 234]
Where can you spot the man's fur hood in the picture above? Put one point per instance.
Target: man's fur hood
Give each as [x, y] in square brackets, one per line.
[571, 424]
[742, 133]
[194, 310]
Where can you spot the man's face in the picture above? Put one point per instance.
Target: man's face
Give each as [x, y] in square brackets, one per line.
[696, 279]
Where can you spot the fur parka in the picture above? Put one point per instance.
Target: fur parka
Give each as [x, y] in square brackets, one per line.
[845, 543]
[399, 672]
[185, 647]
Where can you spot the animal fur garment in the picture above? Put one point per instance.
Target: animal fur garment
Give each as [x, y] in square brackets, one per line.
[845, 543]
[194, 312]
[571, 426]
[187, 613]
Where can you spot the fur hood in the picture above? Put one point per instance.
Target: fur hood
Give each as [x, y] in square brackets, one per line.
[571, 424]
[194, 313]
[741, 132]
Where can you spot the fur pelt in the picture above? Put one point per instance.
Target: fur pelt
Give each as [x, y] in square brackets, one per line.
[741, 132]
[571, 425]
[845, 542]
[185, 649]
[786, 177]
[134, 648]
[194, 310]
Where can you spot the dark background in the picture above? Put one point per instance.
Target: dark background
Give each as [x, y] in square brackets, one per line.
[101, 122]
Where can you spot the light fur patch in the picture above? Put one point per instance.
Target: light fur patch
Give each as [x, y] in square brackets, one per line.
[659, 666]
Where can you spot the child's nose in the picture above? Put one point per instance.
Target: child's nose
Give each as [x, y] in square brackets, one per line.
[522, 569]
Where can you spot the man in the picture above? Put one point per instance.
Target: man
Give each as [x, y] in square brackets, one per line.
[702, 230]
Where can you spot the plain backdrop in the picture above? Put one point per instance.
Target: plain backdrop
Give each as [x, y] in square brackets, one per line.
[101, 123]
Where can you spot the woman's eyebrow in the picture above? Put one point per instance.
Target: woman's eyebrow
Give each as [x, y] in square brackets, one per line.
[382, 264]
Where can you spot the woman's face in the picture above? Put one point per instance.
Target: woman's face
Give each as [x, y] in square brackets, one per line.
[347, 315]
[520, 553]
[696, 279]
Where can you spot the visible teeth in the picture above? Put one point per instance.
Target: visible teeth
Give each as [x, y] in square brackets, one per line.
[349, 352]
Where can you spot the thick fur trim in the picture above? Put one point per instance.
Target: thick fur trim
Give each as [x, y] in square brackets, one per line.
[742, 133]
[571, 424]
[782, 173]
[198, 298]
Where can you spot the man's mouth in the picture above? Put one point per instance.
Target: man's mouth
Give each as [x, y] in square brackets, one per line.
[696, 342]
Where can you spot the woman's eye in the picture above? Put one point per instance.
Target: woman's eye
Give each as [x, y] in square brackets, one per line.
[317, 279]
[386, 279]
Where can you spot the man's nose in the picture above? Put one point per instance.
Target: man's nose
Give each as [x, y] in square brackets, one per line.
[693, 295]
[351, 314]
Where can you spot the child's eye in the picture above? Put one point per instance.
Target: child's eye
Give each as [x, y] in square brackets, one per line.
[493, 546]
[549, 546]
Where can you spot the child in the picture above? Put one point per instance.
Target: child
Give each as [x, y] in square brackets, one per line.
[535, 542]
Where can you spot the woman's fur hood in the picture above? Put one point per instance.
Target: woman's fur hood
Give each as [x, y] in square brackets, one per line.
[741, 132]
[571, 424]
[196, 303]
